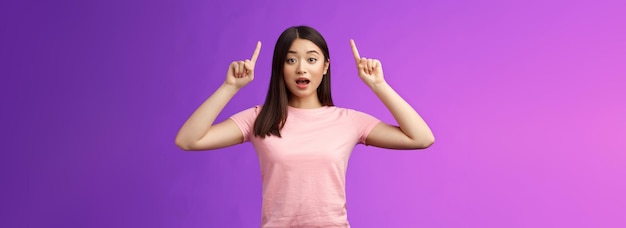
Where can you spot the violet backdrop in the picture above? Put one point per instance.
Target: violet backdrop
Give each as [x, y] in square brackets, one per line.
[527, 100]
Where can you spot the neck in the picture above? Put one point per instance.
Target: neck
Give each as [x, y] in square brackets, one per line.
[309, 102]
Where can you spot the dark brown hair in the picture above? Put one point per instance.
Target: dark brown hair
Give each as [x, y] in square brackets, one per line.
[273, 115]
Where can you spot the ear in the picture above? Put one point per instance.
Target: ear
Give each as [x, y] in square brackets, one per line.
[326, 66]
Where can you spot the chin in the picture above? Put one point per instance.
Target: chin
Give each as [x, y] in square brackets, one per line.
[303, 93]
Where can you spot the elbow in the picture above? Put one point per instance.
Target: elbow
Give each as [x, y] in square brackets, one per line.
[424, 143]
[183, 145]
[429, 142]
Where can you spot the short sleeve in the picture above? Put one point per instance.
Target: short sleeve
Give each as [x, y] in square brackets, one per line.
[364, 123]
[245, 121]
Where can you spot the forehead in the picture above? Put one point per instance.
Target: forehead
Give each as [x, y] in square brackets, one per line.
[302, 46]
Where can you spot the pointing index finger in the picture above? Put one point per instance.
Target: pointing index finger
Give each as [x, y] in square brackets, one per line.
[255, 55]
[355, 51]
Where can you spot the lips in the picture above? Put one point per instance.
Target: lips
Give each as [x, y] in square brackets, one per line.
[302, 83]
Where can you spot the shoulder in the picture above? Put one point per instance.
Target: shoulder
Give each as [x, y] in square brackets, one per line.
[361, 121]
[251, 112]
[356, 117]
[254, 109]
[351, 112]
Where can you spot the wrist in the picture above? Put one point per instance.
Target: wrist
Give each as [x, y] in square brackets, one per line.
[230, 87]
[378, 86]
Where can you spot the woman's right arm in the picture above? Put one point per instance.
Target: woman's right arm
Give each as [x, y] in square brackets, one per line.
[198, 132]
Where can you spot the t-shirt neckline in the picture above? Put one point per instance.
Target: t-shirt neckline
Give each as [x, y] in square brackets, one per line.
[295, 110]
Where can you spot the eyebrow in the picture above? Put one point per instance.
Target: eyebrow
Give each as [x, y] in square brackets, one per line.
[308, 52]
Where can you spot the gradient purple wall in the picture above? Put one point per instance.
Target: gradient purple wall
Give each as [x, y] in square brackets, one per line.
[527, 100]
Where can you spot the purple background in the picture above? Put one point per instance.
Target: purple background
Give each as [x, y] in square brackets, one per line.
[527, 100]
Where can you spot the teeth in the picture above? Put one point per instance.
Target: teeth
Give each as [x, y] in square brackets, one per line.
[299, 81]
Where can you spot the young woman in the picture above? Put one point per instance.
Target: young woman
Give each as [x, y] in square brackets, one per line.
[302, 140]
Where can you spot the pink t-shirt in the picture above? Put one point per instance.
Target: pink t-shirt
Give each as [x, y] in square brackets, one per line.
[303, 173]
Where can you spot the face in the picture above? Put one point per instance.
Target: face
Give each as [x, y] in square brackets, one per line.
[304, 68]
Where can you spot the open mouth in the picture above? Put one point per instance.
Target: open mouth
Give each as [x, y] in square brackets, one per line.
[303, 81]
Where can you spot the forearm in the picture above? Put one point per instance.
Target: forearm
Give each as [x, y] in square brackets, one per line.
[204, 116]
[409, 121]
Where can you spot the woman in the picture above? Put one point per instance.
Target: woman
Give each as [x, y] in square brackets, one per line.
[302, 140]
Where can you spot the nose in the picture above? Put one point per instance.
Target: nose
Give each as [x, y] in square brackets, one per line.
[300, 69]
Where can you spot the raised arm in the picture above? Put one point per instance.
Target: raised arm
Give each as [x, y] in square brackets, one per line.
[412, 132]
[198, 132]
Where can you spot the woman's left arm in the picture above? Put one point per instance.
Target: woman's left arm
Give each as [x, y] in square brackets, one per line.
[412, 132]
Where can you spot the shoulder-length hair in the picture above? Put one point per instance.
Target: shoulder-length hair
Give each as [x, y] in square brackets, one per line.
[273, 115]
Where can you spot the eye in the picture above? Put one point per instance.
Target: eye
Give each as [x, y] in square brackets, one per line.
[312, 60]
[290, 60]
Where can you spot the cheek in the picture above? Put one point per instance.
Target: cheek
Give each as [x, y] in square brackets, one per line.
[287, 71]
[316, 67]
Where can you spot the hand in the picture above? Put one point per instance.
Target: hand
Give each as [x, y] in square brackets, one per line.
[240, 73]
[370, 70]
